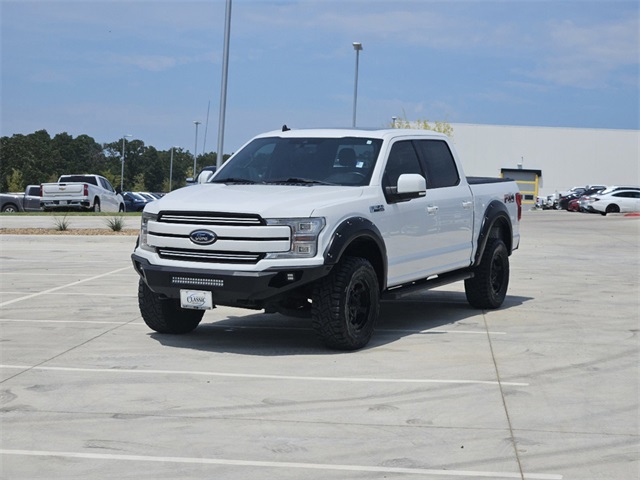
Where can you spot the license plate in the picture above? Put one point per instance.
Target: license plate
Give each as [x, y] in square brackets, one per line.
[196, 299]
[63, 202]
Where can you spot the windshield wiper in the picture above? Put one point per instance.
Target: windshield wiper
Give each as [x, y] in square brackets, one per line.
[304, 181]
[234, 180]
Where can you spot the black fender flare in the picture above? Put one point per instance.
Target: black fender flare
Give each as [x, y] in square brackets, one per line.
[495, 214]
[350, 232]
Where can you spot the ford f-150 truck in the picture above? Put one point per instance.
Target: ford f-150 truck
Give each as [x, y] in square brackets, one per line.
[325, 223]
[81, 192]
[29, 201]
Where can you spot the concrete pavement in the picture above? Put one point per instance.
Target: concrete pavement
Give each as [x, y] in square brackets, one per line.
[544, 388]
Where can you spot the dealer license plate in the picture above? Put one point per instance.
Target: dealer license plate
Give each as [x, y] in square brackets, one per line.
[196, 299]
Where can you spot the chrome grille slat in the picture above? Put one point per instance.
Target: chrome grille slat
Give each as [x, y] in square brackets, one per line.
[209, 219]
[203, 256]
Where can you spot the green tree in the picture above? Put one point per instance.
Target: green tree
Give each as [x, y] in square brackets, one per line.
[15, 182]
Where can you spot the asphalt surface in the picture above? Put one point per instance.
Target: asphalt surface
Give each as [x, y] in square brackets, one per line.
[547, 387]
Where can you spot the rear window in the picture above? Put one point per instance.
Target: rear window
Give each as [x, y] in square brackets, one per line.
[78, 179]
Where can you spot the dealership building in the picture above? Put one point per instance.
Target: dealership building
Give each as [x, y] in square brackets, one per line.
[547, 160]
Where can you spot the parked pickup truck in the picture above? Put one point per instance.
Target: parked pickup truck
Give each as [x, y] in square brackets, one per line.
[29, 201]
[325, 224]
[81, 192]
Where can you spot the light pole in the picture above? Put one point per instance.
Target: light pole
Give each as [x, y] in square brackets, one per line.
[122, 162]
[357, 46]
[195, 150]
[393, 122]
[171, 168]
[223, 87]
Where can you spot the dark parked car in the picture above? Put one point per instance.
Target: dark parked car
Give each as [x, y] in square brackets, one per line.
[133, 202]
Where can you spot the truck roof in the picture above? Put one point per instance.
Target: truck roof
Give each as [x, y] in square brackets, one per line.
[381, 133]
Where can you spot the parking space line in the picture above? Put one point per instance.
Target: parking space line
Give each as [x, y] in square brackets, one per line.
[19, 320]
[133, 295]
[287, 465]
[263, 377]
[44, 292]
[476, 332]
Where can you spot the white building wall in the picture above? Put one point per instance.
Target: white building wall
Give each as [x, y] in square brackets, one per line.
[568, 157]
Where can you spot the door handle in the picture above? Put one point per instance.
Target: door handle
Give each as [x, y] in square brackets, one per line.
[468, 204]
[432, 210]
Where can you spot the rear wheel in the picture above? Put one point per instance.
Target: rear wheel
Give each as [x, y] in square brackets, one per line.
[96, 205]
[9, 208]
[488, 287]
[165, 315]
[346, 304]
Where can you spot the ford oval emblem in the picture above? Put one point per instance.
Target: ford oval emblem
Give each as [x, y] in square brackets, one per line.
[203, 237]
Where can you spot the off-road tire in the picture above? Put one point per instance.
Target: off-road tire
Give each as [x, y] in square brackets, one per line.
[488, 287]
[346, 304]
[165, 315]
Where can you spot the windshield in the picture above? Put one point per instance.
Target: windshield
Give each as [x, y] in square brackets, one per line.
[347, 161]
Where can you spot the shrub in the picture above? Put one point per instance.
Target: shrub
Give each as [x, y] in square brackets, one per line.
[116, 224]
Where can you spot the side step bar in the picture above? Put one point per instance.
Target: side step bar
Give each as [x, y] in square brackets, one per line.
[401, 291]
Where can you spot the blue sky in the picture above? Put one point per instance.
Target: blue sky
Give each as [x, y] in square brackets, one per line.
[151, 68]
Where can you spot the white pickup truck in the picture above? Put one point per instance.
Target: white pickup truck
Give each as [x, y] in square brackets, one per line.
[81, 192]
[324, 224]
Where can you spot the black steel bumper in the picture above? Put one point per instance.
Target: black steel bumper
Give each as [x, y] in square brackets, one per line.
[230, 288]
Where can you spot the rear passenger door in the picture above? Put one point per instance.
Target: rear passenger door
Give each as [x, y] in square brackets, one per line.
[449, 202]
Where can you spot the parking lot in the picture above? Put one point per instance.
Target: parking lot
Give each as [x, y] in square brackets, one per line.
[547, 387]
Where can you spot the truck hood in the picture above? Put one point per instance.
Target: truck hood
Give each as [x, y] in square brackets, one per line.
[268, 201]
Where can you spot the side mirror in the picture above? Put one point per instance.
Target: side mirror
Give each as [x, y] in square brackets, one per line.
[118, 191]
[205, 176]
[412, 185]
[190, 181]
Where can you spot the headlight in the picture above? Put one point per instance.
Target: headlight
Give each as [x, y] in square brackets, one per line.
[144, 230]
[304, 236]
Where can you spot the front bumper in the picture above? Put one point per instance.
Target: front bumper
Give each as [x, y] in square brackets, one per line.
[231, 288]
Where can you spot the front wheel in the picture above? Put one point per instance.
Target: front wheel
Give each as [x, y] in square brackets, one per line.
[165, 315]
[488, 287]
[345, 305]
[613, 208]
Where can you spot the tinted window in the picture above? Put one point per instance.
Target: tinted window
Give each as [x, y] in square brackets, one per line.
[627, 194]
[402, 159]
[438, 162]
